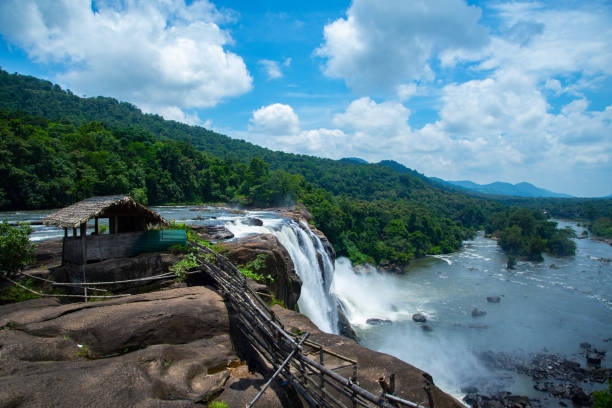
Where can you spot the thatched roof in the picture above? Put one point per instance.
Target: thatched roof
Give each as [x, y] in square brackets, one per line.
[78, 213]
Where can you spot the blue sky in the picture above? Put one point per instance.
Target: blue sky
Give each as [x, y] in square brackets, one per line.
[486, 91]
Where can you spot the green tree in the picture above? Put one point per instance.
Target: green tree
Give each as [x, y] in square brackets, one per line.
[16, 251]
[603, 399]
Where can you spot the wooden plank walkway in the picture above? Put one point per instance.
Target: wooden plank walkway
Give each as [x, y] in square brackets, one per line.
[306, 365]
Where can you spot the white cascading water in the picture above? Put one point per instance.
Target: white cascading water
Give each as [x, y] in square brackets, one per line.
[305, 248]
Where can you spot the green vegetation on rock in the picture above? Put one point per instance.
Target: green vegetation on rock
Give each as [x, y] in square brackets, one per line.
[251, 269]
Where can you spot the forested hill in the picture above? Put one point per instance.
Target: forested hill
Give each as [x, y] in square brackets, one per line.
[45, 99]
[58, 148]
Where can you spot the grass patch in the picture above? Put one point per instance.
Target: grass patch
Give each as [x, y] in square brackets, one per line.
[274, 301]
[217, 404]
[14, 293]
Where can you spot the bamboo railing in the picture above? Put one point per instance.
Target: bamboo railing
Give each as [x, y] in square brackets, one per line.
[288, 354]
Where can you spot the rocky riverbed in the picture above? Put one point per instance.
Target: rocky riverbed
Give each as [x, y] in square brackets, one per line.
[561, 381]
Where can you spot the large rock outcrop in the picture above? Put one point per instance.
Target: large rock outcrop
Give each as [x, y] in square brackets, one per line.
[411, 383]
[163, 349]
[286, 284]
[120, 269]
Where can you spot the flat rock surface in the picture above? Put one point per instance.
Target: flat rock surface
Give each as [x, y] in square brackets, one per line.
[163, 349]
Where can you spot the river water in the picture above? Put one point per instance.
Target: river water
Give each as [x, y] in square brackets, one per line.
[551, 306]
[548, 307]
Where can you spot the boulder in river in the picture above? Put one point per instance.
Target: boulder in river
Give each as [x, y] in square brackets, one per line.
[594, 357]
[419, 318]
[253, 222]
[493, 299]
[477, 313]
[213, 232]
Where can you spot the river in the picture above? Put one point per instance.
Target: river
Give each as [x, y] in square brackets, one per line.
[549, 307]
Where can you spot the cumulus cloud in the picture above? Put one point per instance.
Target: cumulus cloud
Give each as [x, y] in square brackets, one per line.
[381, 45]
[163, 55]
[498, 126]
[276, 120]
[543, 41]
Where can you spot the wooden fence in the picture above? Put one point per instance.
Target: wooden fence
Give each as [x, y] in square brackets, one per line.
[307, 366]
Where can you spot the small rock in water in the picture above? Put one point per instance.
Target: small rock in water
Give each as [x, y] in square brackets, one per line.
[493, 299]
[254, 222]
[427, 328]
[419, 318]
[585, 345]
[478, 313]
[594, 358]
[580, 398]
[470, 389]
[375, 321]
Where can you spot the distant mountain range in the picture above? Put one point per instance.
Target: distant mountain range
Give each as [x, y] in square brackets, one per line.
[499, 188]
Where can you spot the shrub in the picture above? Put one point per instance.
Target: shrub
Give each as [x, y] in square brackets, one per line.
[16, 251]
[181, 267]
[251, 269]
[603, 399]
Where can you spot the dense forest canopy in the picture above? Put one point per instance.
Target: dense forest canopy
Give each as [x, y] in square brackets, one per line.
[58, 148]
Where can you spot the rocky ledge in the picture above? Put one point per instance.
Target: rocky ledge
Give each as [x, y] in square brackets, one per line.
[285, 284]
[171, 348]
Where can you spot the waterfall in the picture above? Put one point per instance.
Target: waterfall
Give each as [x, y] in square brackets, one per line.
[312, 264]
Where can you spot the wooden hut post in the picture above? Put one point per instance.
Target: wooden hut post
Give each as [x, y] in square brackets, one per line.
[116, 224]
[74, 232]
[96, 228]
[84, 249]
[64, 244]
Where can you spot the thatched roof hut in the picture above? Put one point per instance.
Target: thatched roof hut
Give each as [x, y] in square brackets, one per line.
[103, 207]
[127, 235]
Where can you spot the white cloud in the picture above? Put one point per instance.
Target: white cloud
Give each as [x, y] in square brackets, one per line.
[543, 42]
[272, 68]
[381, 45]
[174, 113]
[163, 55]
[276, 120]
[406, 91]
[553, 84]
